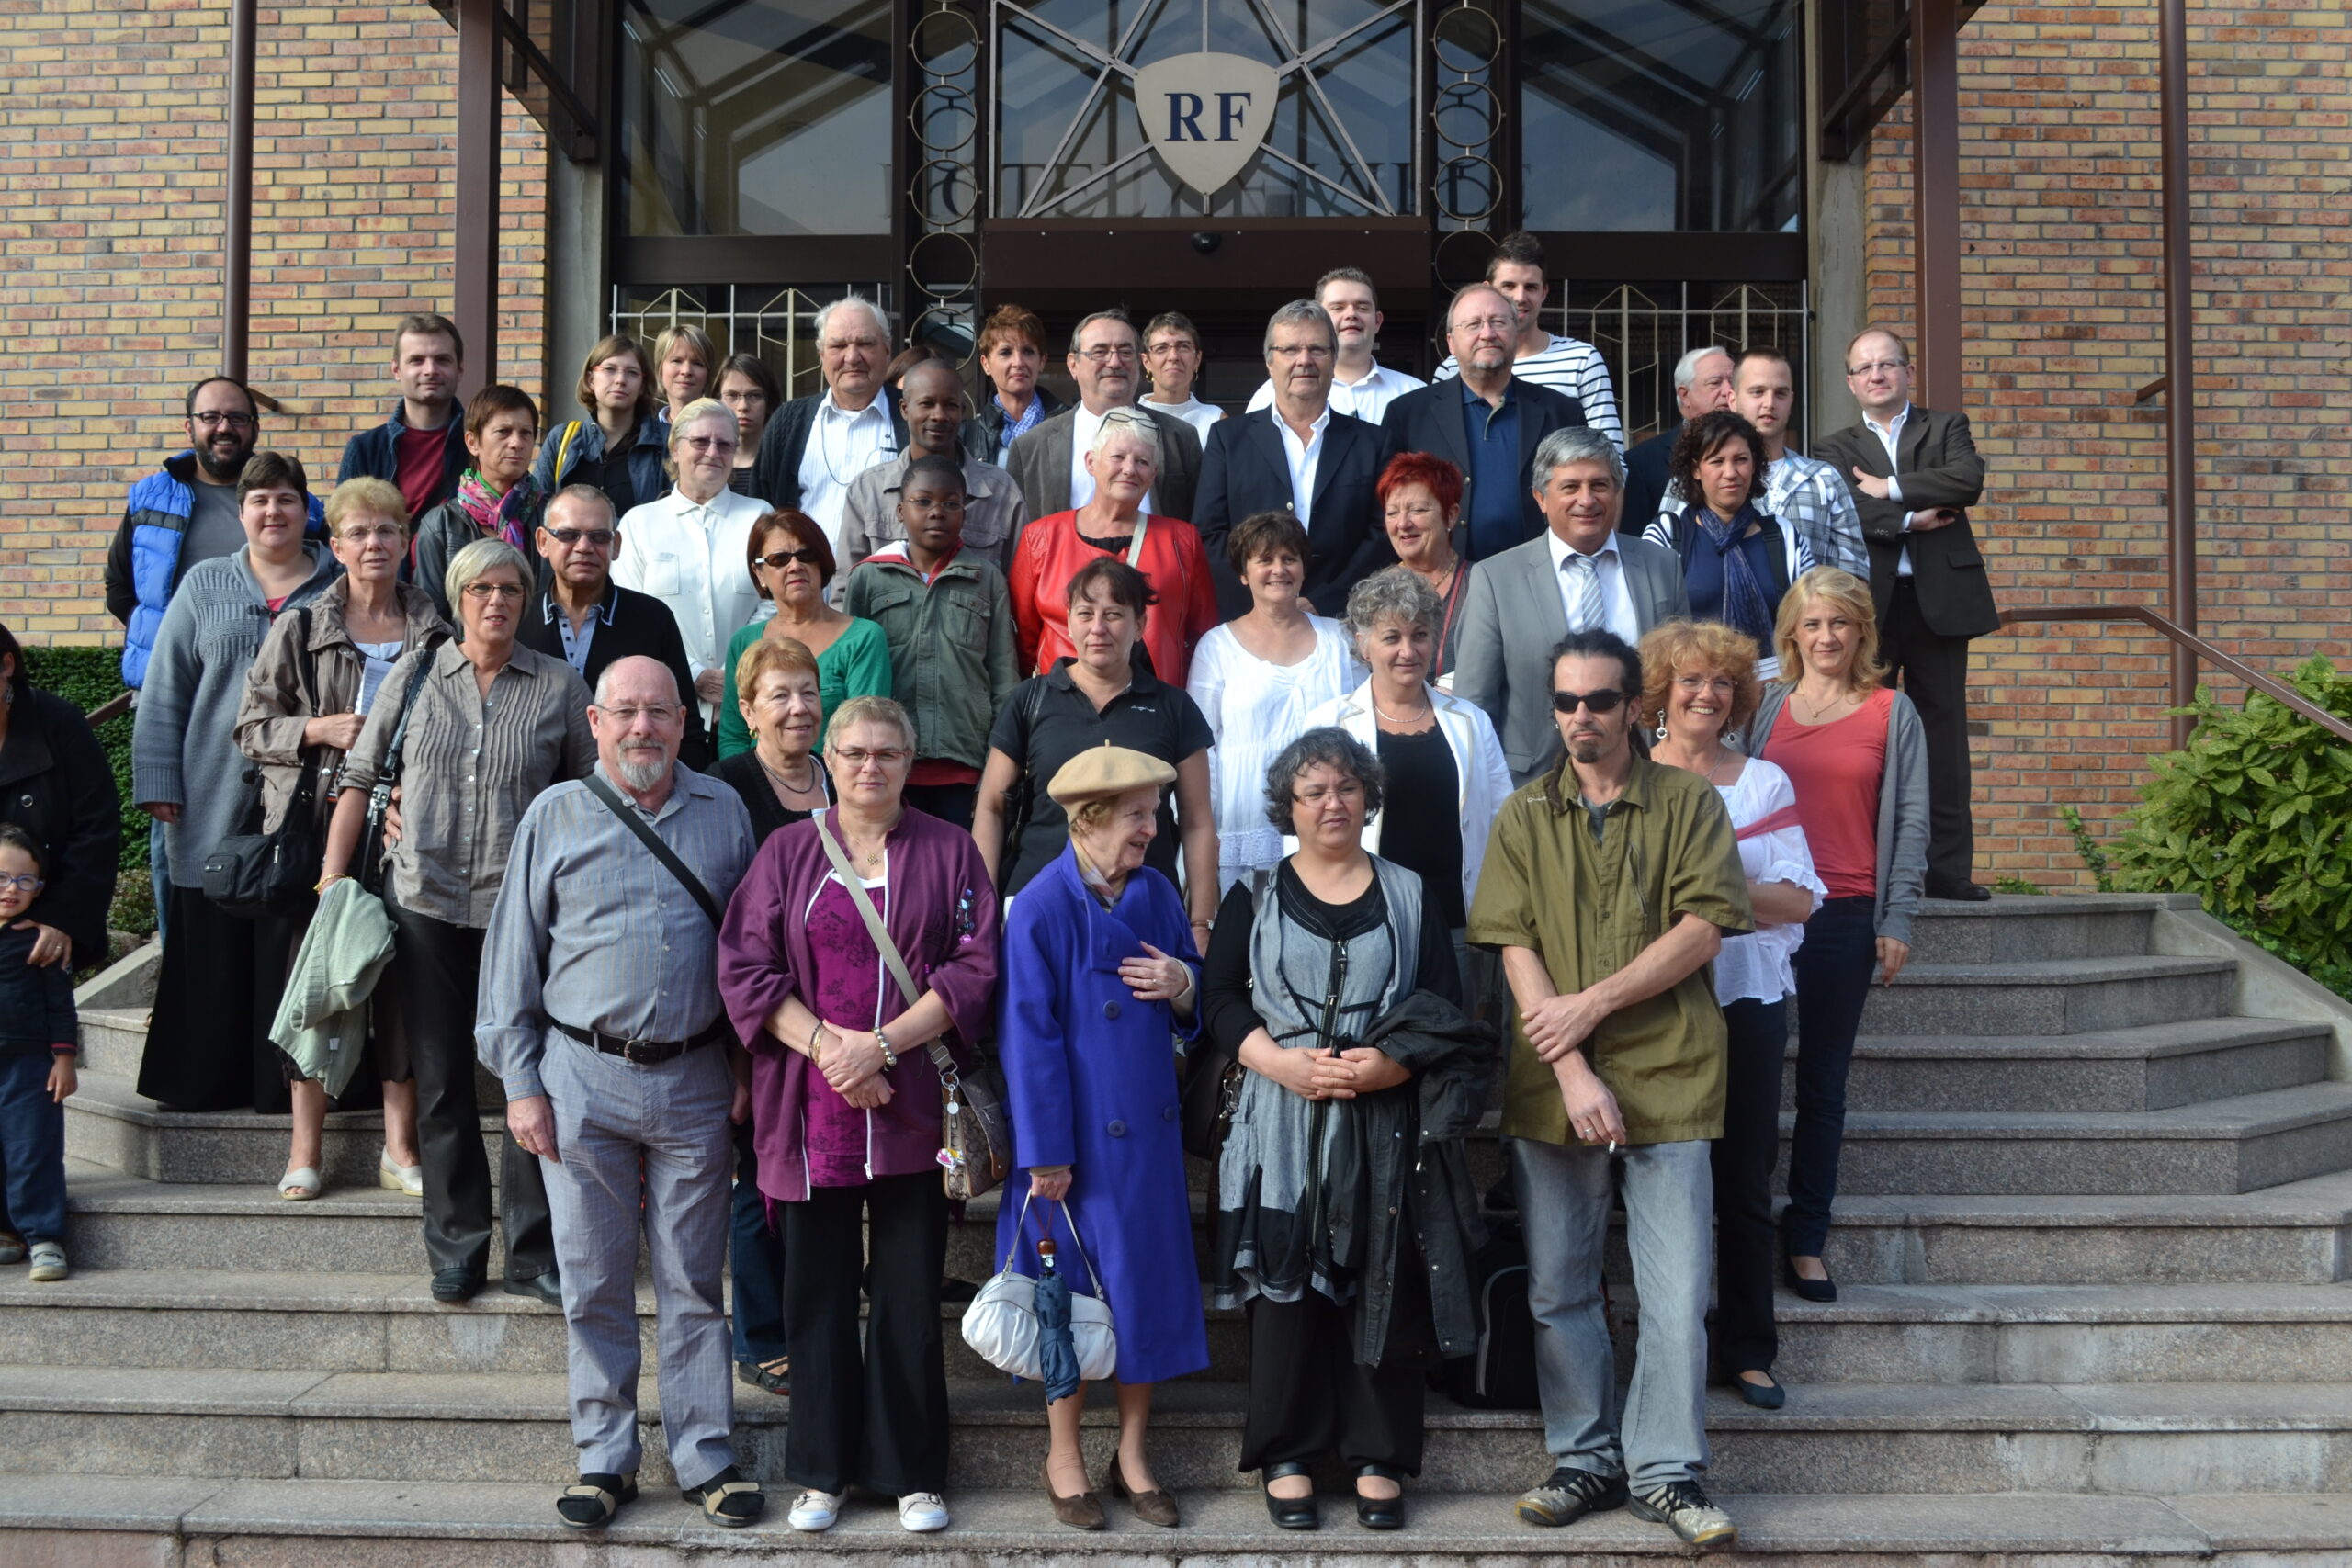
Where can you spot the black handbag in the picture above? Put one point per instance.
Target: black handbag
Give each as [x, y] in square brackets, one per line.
[254, 875]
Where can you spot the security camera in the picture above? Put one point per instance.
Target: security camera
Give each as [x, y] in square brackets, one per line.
[1207, 240]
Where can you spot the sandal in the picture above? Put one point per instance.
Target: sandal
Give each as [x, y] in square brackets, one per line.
[728, 1499]
[594, 1501]
[300, 1185]
[772, 1377]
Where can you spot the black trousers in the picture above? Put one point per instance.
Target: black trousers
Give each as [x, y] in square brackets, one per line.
[216, 992]
[876, 1419]
[1934, 672]
[1747, 1245]
[1309, 1398]
[949, 802]
[429, 992]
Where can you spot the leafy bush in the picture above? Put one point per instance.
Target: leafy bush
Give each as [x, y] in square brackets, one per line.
[90, 678]
[2256, 819]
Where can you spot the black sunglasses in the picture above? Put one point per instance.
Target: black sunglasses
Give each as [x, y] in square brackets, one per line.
[1602, 701]
[602, 538]
[776, 560]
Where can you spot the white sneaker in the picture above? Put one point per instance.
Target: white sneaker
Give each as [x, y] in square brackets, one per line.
[48, 1267]
[814, 1510]
[923, 1511]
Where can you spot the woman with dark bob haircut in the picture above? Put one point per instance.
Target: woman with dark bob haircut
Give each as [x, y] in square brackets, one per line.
[1737, 560]
[1345, 1216]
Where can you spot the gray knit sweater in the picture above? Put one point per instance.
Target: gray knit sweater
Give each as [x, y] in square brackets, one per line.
[184, 745]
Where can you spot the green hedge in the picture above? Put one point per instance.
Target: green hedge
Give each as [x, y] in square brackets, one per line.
[89, 678]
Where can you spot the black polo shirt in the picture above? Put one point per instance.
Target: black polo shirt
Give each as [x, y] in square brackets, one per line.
[1151, 716]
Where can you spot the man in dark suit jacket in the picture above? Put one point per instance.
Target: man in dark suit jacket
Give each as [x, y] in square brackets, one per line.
[852, 350]
[580, 610]
[1702, 381]
[1106, 361]
[1485, 422]
[1257, 461]
[1914, 473]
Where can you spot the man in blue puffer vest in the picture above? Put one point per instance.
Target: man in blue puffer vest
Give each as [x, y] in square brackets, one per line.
[184, 513]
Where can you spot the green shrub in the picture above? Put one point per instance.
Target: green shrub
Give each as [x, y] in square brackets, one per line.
[2256, 819]
[89, 678]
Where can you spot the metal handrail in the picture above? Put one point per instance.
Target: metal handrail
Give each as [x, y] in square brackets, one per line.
[2195, 646]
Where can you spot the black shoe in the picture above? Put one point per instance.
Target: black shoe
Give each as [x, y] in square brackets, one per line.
[1764, 1396]
[547, 1287]
[1291, 1512]
[1569, 1496]
[1381, 1513]
[456, 1283]
[1958, 892]
[1810, 1290]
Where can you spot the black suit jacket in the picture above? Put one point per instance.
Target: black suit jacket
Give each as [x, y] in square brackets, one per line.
[1938, 466]
[640, 623]
[1645, 478]
[1245, 469]
[775, 477]
[1430, 420]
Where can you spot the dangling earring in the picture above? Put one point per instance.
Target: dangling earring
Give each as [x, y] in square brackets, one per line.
[1660, 731]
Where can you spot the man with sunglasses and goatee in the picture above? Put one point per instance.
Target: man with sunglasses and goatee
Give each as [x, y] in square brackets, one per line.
[586, 619]
[1578, 575]
[1608, 887]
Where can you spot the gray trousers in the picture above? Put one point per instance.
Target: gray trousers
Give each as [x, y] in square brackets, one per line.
[1563, 1194]
[668, 1122]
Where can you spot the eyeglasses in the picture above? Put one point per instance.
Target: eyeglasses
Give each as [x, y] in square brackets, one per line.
[857, 756]
[1489, 324]
[482, 593]
[382, 531]
[1879, 366]
[1602, 701]
[25, 884]
[212, 420]
[707, 443]
[1301, 351]
[594, 539]
[1316, 795]
[776, 560]
[1102, 352]
[660, 713]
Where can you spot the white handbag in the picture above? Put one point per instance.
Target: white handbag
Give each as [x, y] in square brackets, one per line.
[1002, 1322]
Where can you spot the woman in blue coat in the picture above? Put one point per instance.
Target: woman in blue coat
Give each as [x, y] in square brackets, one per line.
[1099, 971]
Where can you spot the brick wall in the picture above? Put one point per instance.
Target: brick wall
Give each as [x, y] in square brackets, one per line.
[2061, 275]
[113, 118]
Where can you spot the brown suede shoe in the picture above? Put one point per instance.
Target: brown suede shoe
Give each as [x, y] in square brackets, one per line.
[1083, 1512]
[1151, 1507]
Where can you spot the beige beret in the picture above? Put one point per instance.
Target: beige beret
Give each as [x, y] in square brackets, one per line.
[1107, 770]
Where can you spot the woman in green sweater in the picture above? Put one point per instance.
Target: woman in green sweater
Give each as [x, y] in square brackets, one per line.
[792, 561]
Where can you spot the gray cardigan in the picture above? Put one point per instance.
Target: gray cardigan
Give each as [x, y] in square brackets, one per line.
[1902, 835]
[183, 742]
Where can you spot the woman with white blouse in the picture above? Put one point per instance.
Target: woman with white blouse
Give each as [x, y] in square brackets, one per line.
[1699, 684]
[1255, 679]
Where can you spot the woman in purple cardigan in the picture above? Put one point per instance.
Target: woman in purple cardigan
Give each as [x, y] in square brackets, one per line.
[845, 1105]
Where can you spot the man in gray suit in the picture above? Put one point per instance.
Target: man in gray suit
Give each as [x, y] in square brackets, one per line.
[1105, 360]
[1578, 574]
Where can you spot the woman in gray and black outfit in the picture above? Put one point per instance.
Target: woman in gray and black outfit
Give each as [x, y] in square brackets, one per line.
[493, 725]
[1346, 1214]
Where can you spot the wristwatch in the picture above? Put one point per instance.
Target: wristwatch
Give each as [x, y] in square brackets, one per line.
[890, 1057]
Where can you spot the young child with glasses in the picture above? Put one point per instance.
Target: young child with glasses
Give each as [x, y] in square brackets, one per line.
[37, 1044]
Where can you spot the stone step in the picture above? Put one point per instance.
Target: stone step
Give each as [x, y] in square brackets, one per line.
[2021, 928]
[2224, 1145]
[114, 1041]
[2153, 1067]
[1848, 1437]
[58, 1518]
[2071, 995]
[387, 1323]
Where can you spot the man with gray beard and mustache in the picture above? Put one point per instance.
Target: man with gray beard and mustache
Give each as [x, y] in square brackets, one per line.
[600, 1011]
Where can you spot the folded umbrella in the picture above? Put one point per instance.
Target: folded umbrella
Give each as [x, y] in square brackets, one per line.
[1057, 1350]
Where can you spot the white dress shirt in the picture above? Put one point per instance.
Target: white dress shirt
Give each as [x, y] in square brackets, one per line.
[842, 445]
[1366, 399]
[1304, 457]
[694, 557]
[1617, 613]
[1084, 427]
[1889, 434]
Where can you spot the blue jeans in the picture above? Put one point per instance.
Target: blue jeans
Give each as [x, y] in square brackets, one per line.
[755, 1254]
[32, 1146]
[1564, 1193]
[1833, 972]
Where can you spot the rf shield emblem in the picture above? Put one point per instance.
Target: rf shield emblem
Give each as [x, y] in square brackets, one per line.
[1206, 114]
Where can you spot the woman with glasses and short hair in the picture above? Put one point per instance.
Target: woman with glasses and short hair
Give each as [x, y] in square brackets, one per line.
[491, 725]
[791, 565]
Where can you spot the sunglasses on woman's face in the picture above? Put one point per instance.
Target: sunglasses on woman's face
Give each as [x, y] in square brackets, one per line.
[1602, 701]
[776, 560]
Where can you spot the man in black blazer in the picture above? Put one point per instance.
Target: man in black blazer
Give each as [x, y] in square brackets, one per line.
[1303, 457]
[1914, 473]
[852, 426]
[1485, 422]
[1048, 461]
[1702, 381]
[583, 616]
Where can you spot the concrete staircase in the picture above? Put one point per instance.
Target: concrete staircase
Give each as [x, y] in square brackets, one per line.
[2092, 1248]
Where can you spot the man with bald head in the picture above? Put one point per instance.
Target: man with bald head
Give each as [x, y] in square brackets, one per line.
[932, 397]
[1049, 462]
[600, 1013]
[1487, 421]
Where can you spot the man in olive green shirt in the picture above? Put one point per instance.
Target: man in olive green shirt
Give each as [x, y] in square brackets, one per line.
[1608, 885]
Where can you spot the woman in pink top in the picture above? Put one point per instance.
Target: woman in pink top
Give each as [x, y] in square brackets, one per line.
[1858, 757]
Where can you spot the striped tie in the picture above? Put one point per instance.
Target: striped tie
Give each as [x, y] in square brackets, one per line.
[1584, 591]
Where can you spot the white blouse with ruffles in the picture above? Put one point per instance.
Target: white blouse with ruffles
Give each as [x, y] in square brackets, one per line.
[1756, 967]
